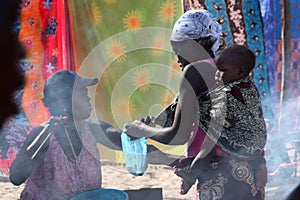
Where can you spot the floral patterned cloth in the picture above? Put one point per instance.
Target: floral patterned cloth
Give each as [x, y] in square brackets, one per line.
[59, 178]
[223, 178]
[232, 117]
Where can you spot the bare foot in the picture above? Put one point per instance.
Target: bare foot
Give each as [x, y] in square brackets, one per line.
[185, 186]
[187, 181]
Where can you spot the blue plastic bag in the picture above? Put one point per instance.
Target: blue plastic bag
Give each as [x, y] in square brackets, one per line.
[135, 152]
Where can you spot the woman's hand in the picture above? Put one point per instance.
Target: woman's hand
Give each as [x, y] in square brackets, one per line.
[148, 121]
[137, 129]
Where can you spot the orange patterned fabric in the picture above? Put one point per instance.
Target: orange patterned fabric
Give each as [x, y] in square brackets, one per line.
[44, 35]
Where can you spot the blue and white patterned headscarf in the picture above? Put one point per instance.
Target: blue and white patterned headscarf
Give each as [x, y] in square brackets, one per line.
[196, 24]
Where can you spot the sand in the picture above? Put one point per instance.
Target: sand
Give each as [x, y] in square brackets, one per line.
[117, 177]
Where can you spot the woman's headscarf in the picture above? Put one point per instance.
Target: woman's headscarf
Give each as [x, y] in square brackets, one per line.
[196, 24]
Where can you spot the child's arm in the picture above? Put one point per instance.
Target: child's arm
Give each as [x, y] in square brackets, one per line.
[200, 162]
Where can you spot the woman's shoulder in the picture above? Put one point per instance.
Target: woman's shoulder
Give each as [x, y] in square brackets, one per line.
[204, 64]
[200, 75]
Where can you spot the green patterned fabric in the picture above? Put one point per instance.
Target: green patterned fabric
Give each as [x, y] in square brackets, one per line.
[126, 44]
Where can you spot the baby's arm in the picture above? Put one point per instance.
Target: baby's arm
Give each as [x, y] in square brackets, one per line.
[202, 160]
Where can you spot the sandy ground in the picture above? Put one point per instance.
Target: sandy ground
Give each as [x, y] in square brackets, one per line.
[117, 177]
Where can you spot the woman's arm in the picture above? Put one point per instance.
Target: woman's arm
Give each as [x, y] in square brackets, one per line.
[29, 157]
[179, 133]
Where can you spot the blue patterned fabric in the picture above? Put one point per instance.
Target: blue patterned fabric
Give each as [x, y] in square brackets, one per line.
[268, 14]
[242, 23]
[295, 22]
[271, 12]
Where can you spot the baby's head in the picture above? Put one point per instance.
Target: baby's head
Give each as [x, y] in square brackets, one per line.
[234, 63]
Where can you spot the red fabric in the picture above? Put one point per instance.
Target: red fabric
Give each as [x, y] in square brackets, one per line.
[44, 33]
[54, 37]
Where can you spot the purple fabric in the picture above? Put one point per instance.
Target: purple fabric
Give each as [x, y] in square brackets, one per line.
[197, 139]
[198, 135]
[59, 178]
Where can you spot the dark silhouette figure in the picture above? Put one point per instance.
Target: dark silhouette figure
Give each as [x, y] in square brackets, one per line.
[10, 52]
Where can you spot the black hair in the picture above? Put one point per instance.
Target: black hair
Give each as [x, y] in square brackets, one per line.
[207, 43]
[237, 55]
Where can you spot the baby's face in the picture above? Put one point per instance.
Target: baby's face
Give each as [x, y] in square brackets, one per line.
[227, 73]
[218, 77]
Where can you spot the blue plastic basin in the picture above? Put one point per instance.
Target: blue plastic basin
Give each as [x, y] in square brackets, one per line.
[103, 194]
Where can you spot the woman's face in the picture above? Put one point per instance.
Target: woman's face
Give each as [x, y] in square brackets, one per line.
[81, 105]
[182, 62]
[189, 51]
